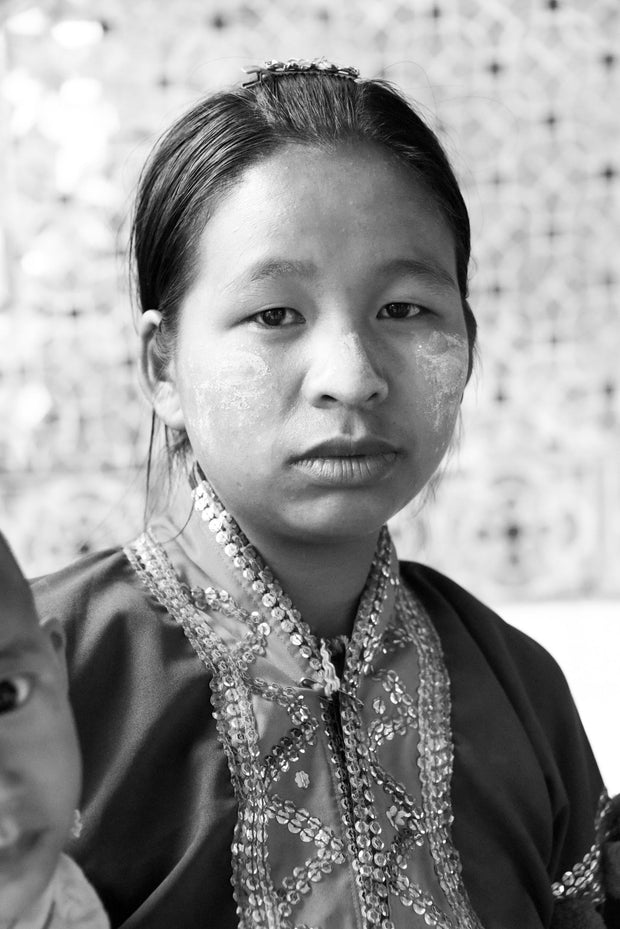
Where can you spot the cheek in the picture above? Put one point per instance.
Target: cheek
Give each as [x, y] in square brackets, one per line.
[235, 394]
[441, 374]
[61, 775]
[44, 763]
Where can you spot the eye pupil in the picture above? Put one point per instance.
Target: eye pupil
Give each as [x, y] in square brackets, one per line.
[8, 696]
[398, 310]
[13, 692]
[273, 317]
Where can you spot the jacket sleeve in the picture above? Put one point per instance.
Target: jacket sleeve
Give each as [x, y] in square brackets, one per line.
[611, 865]
[584, 903]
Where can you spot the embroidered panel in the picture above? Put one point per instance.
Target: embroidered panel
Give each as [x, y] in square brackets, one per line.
[377, 844]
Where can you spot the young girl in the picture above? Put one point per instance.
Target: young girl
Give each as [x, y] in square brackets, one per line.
[40, 888]
[265, 697]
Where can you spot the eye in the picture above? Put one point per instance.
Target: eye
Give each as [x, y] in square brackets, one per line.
[277, 317]
[14, 691]
[400, 311]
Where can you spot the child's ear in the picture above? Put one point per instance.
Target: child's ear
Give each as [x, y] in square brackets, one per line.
[56, 634]
[157, 372]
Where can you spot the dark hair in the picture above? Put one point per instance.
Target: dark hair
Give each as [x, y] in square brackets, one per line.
[207, 150]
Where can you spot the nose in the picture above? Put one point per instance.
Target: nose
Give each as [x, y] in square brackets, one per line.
[343, 372]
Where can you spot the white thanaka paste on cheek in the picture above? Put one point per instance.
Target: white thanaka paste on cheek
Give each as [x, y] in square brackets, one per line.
[235, 385]
[443, 361]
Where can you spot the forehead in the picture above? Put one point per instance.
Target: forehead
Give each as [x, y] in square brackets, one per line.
[354, 192]
[19, 625]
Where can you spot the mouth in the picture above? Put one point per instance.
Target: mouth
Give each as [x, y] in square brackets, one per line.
[16, 843]
[349, 447]
[346, 461]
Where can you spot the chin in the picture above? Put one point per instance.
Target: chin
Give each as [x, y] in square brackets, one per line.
[338, 521]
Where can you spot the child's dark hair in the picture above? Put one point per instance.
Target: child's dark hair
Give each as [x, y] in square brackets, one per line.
[207, 150]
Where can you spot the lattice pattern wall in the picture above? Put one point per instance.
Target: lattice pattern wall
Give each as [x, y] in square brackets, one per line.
[524, 94]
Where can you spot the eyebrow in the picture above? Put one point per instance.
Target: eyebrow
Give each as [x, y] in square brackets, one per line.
[279, 267]
[429, 271]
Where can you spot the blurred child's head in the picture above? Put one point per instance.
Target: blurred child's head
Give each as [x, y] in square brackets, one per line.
[40, 769]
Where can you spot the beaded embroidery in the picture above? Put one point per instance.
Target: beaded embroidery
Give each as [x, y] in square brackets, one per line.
[584, 881]
[377, 843]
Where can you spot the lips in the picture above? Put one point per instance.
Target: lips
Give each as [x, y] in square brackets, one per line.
[16, 841]
[22, 846]
[346, 461]
[349, 447]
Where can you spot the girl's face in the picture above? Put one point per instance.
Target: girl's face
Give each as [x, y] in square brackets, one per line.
[322, 350]
[40, 769]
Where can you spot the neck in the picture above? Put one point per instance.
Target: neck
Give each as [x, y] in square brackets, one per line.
[323, 579]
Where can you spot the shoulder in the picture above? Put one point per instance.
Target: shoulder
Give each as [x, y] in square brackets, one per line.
[98, 586]
[451, 607]
[485, 656]
[483, 652]
[77, 905]
[93, 577]
[105, 610]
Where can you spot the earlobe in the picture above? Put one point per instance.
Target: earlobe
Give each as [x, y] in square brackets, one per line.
[156, 377]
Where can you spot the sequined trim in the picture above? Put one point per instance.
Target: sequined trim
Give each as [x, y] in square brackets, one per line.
[584, 881]
[435, 757]
[380, 827]
[233, 715]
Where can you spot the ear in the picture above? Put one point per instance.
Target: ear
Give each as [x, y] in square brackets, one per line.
[56, 634]
[157, 374]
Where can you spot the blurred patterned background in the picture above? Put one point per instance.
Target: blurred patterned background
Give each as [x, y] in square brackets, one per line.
[524, 94]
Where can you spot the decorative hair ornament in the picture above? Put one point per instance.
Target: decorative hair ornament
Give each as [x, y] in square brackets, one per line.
[275, 68]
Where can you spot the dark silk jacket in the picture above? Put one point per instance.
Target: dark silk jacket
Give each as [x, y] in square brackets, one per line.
[525, 803]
